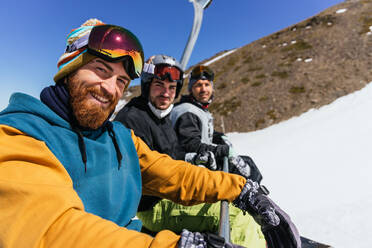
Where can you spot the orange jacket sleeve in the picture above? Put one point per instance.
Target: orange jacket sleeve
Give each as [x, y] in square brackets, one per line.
[182, 182]
[40, 208]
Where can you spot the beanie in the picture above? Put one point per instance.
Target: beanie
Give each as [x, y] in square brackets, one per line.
[71, 61]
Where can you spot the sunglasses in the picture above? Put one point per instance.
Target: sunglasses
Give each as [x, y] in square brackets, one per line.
[163, 72]
[112, 43]
[202, 72]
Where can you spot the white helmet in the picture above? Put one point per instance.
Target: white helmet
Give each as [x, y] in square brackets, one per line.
[161, 67]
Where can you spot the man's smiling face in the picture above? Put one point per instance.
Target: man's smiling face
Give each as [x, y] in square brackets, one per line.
[202, 90]
[95, 89]
[162, 93]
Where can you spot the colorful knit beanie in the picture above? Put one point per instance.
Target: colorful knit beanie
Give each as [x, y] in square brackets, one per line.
[71, 61]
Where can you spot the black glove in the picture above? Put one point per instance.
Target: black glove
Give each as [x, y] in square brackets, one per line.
[276, 225]
[203, 240]
[202, 159]
[285, 234]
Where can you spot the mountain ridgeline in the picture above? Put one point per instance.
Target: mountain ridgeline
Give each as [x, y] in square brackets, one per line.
[304, 66]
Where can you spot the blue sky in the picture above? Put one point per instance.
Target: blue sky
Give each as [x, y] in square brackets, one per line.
[33, 33]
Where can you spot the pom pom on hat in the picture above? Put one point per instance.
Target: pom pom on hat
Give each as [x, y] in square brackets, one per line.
[71, 61]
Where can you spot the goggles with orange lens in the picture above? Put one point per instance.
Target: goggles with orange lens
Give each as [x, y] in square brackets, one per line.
[112, 43]
[163, 72]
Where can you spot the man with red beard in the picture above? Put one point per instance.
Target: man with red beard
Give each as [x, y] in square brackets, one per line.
[71, 178]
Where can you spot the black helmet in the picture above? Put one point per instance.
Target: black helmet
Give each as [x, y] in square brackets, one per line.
[161, 67]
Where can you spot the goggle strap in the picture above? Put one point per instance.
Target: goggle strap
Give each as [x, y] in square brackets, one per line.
[149, 68]
[77, 44]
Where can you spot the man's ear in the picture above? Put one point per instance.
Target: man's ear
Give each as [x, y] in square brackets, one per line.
[64, 81]
[67, 78]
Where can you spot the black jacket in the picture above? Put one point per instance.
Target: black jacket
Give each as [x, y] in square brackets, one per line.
[157, 133]
[188, 129]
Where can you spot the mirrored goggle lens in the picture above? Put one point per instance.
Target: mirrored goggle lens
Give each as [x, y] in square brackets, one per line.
[164, 71]
[114, 43]
[202, 72]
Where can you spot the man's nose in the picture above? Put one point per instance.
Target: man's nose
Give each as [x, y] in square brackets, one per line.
[109, 85]
[166, 91]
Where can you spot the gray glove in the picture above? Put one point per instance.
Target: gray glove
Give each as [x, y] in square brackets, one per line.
[203, 240]
[237, 165]
[276, 225]
[203, 159]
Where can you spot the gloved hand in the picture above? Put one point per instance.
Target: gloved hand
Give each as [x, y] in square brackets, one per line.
[255, 173]
[203, 159]
[203, 240]
[237, 165]
[276, 225]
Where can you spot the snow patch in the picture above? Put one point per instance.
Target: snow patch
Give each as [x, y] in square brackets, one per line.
[308, 27]
[317, 167]
[308, 60]
[299, 59]
[293, 42]
[219, 57]
[341, 11]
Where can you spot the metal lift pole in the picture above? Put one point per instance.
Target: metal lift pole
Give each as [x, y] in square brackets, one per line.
[199, 6]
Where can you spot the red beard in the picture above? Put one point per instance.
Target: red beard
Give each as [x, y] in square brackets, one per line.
[87, 113]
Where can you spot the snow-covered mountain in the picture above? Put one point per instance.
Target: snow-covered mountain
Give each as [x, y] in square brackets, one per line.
[318, 167]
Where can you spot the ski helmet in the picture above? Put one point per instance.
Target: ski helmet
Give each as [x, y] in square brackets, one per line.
[161, 67]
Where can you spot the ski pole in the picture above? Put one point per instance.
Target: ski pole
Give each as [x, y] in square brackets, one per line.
[224, 228]
[199, 6]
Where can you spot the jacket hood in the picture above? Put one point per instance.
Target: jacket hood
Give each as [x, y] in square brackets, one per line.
[34, 109]
[22, 103]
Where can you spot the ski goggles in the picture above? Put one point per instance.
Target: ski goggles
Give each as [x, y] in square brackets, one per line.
[163, 72]
[202, 72]
[112, 43]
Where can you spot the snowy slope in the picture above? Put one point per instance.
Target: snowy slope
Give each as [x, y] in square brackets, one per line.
[318, 167]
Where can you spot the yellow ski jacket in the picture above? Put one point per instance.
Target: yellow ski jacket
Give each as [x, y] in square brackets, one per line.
[40, 208]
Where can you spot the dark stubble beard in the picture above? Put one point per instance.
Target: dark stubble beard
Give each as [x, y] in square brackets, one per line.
[88, 114]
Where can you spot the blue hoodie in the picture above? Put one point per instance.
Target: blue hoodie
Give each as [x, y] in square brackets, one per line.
[104, 189]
